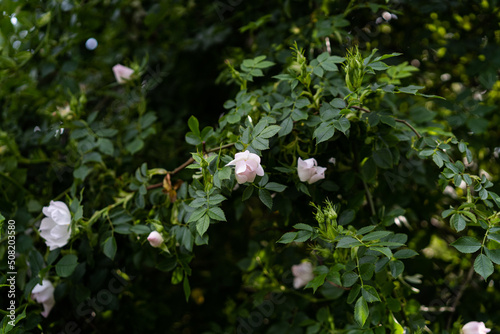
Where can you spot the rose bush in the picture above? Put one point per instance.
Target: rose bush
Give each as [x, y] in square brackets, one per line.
[399, 234]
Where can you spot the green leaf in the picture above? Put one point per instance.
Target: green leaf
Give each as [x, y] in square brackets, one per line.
[305, 227]
[140, 229]
[494, 236]
[376, 235]
[483, 266]
[447, 212]
[197, 214]
[457, 221]
[338, 103]
[270, 131]
[273, 186]
[135, 146]
[493, 255]
[192, 139]
[194, 125]
[109, 247]
[383, 158]
[66, 265]
[349, 278]
[186, 287]
[353, 294]
[411, 89]
[317, 281]
[405, 253]
[81, 172]
[361, 311]
[216, 199]
[384, 250]
[437, 160]
[105, 146]
[247, 193]
[467, 245]
[266, 198]
[7, 62]
[346, 217]
[396, 267]
[187, 239]
[287, 238]
[286, 127]
[342, 124]
[203, 224]
[260, 143]
[348, 242]
[216, 213]
[323, 132]
[370, 294]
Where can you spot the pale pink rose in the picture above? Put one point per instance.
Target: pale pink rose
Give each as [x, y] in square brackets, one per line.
[475, 327]
[309, 170]
[122, 73]
[247, 166]
[44, 294]
[155, 239]
[303, 274]
[56, 227]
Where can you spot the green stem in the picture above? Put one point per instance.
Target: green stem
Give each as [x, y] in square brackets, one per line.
[369, 197]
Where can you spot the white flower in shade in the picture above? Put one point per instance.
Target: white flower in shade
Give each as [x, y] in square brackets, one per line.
[155, 239]
[44, 294]
[475, 327]
[247, 166]
[303, 274]
[310, 171]
[56, 227]
[122, 73]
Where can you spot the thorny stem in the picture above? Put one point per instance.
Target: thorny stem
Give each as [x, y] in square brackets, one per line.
[187, 163]
[396, 119]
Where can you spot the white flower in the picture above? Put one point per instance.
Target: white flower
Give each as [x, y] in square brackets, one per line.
[475, 327]
[122, 73]
[310, 171]
[56, 227]
[303, 274]
[247, 166]
[155, 239]
[44, 294]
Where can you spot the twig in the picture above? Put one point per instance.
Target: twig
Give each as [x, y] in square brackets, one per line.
[396, 119]
[409, 125]
[338, 286]
[369, 197]
[361, 108]
[459, 295]
[187, 163]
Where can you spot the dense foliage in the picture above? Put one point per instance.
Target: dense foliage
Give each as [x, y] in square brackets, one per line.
[392, 228]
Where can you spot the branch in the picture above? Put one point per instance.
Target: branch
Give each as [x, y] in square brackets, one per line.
[396, 119]
[338, 286]
[187, 163]
[459, 294]
[409, 125]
